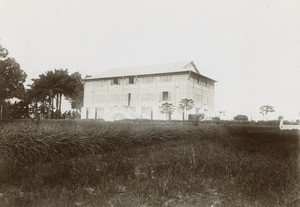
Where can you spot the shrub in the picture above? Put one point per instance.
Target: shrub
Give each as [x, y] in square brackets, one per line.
[216, 119]
[241, 118]
[195, 118]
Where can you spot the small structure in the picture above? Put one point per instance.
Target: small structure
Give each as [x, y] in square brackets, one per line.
[138, 92]
[288, 127]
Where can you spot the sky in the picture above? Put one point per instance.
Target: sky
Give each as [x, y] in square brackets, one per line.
[251, 47]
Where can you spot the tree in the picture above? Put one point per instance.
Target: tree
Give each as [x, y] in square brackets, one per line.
[186, 105]
[240, 118]
[265, 109]
[74, 91]
[12, 78]
[168, 109]
[15, 110]
[51, 86]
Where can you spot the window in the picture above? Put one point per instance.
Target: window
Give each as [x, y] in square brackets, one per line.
[131, 80]
[115, 81]
[166, 78]
[165, 96]
[129, 98]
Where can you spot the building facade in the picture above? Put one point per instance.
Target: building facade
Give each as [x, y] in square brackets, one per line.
[138, 92]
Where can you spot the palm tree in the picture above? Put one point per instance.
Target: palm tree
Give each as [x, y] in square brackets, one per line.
[49, 86]
[186, 104]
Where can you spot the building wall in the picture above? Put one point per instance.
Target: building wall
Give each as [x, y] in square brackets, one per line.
[140, 97]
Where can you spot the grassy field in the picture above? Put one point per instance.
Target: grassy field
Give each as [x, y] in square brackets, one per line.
[85, 163]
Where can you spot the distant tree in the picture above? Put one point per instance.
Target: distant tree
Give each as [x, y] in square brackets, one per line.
[186, 105]
[265, 109]
[12, 78]
[240, 118]
[168, 109]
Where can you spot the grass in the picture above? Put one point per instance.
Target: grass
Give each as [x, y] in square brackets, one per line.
[85, 163]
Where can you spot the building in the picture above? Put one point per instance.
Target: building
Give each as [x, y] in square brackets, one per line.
[138, 92]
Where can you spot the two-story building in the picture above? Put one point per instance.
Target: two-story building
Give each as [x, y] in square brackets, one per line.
[138, 92]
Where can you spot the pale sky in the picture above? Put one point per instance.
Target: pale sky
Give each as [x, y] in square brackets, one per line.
[251, 47]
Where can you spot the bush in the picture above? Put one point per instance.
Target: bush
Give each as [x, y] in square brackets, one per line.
[216, 119]
[195, 118]
[241, 118]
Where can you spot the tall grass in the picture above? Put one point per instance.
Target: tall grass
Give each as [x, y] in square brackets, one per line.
[73, 163]
[28, 142]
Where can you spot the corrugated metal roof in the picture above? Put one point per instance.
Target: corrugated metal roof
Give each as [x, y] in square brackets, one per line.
[147, 70]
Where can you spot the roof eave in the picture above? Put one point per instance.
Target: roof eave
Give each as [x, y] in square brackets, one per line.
[96, 78]
[205, 76]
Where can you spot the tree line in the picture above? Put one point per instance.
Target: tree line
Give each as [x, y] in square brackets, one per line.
[44, 96]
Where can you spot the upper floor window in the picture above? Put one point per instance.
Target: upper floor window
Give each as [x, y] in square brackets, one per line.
[166, 78]
[198, 80]
[115, 81]
[131, 80]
